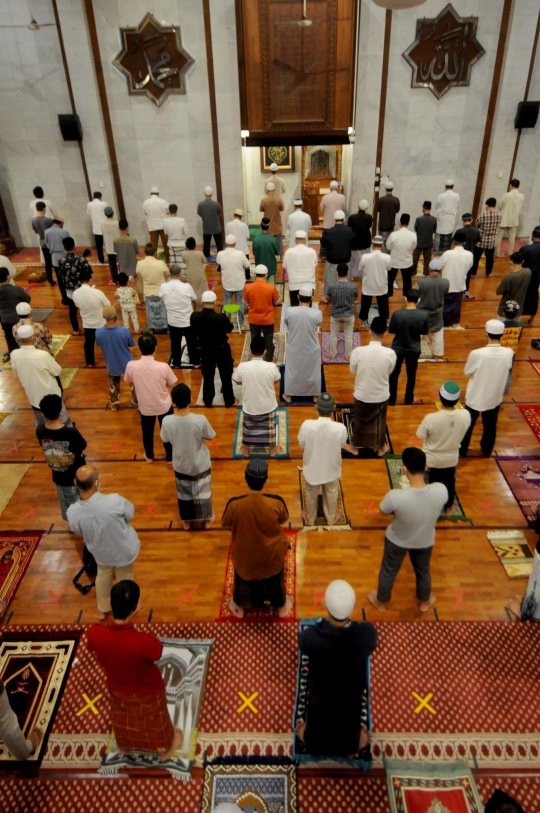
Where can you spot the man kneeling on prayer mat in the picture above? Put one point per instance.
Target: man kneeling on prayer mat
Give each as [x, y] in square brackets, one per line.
[259, 545]
[338, 649]
[259, 404]
[139, 714]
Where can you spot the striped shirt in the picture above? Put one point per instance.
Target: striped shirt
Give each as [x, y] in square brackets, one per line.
[103, 522]
[488, 223]
[342, 295]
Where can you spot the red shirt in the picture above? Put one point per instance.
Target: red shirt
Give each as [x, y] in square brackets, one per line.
[127, 657]
[261, 296]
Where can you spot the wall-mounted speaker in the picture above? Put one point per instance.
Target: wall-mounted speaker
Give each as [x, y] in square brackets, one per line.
[526, 115]
[70, 127]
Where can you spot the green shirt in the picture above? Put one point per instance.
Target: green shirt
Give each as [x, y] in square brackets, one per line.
[265, 249]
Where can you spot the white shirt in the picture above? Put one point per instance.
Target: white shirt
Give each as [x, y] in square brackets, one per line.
[300, 263]
[298, 221]
[176, 230]
[510, 206]
[488, 368]
[330, 204]
[110, 231]
[5, 262]
[49, 211]
[90, 302]
[178, 296]
[372, 365]
[442, 433]
[95, 211]
[36, 370]
[375, 266]
[278, 182]
[456, 262]
[241, 231]
[322, 441]
[232, 263]
[155, 210]
[401, 244]
[258, 392]
[447, 208]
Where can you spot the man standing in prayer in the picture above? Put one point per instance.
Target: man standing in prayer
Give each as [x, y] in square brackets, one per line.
[271, 206]
[298, 221]
[259, 404]
[10, 297]
[510, 206]
[40, 224]
[240, 230]
[96, 212]
[442, 433]
[412, 530]
[38, 372]
[425, 227]
[211, 331]
[110, 230]
[331, 203]
[234, 267]
[388, 207]
[114, 342]
[276, 179]
[372, 366]
[338, 650]
[432, 290]
[42, 335]
[63, 447]
[151, 274]
[70, 268]
[374, 268]
[126, 249]
[531, 259]
[401, 244]
[150, 380]
[342, 295]
[409, 325]
[187, 432]
[488, 368]
[179, 298]
[487, 224]
[447, 208]
[54, 240]
[210, 212]
[456, 262]
[156, 210]
[195, 263]
[361, 224]
[139, 712]
[337, 245]
[265, 249]
[303, 361]
[126, 299]
[90, 302]
[261, 297]
[259, 545]
[300, 263]
[513, 285]
[20, 746]
[322, 441]
[472, 233]
[39, 197]
[176, 230]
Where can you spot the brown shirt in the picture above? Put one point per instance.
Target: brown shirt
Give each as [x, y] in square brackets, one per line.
[387, 207]
[259, 544]
[42, 336]
[271, 208]
[513, 286]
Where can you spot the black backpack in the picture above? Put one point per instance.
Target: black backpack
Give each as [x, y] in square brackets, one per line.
[90, 568]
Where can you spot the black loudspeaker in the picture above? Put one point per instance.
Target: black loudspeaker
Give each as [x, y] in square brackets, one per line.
[526, 115]
[70, 127]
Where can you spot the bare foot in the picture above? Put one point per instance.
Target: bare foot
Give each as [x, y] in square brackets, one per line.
[102, 616]
[287, 398]
[337, 518]
[35, 737]
[176, 743]
[448, 511]
[235, 609]
[114, 407]
[347, 358]
[383, 450]
[306, 520]
[300, 728]
[424, 606]
[514, 607]
[209, 522]
[416, 400]
[365, 737]
[75, 333]
[274, 450]
[284, 611]
[331, 356]
[244, 449]
[186, 526]
[372, 596]
[361, 323]
[148, 459]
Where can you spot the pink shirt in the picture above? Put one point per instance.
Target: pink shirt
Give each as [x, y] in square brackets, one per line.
[151, 379]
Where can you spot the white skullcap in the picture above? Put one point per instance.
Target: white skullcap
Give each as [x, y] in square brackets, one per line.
[363, 204]
[339, 215]
[449, 183]
[25, 331]
[300, 235]
[270, 186]
[339, 599]
[230, 240]
[261, 270]
[239, 212]
[208, 296]
[436, 264]
[154, 191]
[274, 167]
[301, 292]
[334, 185]
[227, 807]
[208, 190]
[492, 326]
[389, 185]
[298, 201]
[23, 309]
[377, 240]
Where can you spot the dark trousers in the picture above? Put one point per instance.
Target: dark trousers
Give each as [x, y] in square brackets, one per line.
[448, 478]
[10, 339]
[426, 254]
[176, 345]
[48, 264]
[73, 315]
[489, 433]
[222, 359]
[294, 298]
[411, 365]
[62, 287]
[113, 267]
[406, 276]
[206, 243]
[365, 304]
[99, 247]
[89, 344]
[268, 333]
[477, 254]
[148, 423]
[392, 560]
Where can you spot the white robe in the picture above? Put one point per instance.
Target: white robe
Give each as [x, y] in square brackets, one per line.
[447, 208]
[303, 362]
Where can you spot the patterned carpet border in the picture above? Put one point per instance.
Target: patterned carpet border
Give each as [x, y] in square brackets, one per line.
[282, 436]
[531, 413]
[340, 354]
[431, 787]
[265, 788]
[398, 480]
[522, 475]
[513, 552]
[23, 546]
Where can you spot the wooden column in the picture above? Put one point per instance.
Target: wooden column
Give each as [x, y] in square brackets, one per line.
[382, 106]
[213, 104]
[526, 95]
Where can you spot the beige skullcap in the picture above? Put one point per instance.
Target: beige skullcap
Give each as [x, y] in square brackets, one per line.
[239, 212]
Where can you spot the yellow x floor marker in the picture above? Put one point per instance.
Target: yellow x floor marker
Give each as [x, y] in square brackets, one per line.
[248, 702]
[424, 703]
[89, 704]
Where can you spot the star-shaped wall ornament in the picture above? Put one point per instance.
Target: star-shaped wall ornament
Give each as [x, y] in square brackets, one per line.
[153, 59]
[444, 51]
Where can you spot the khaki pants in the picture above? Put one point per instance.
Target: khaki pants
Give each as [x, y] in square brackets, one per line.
[154, 239]
[329, 495]
[511, 239]
[348, 326]
[104, 580]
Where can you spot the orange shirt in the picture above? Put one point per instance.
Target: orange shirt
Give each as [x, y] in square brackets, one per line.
[261, 296]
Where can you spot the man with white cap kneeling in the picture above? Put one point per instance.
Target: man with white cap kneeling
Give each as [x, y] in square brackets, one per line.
[338, 650]
[488, 368]
[210, 211]
[240, 230]
[155, 210]
[210, 330]
[42, 335]
[361, 224]
[446, 208]
[234, 268]
[298, 221]
[300, 263]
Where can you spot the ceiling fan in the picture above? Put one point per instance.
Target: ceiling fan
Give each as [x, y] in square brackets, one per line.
[33, 25]
[304, 22]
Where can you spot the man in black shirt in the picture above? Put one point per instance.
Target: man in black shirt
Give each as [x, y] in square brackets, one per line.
[337, 244]
[338, 650]
[408, 325]
[425, 227]
[10, 296]
[387, 206]
[361, 224]
[210, 330]
[472, 237]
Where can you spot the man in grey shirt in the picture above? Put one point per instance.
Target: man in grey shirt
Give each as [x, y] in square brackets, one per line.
[54, 240]
[10, 732]
[432, 290]
[209, 211]
[40, 224]
[416, 510]
[103, 522]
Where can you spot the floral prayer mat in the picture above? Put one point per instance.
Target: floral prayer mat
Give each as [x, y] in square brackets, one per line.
[321, 523]
[431, 788]
[67, 376]
[282, 436]
[513, 552]
[184, 667]
[531, 413]
[280, 347]
[399, 480]
[16, 550]
[372, 313]
[264, 788]
[523, 477]
[340, 354]
[344, 413]
[218, 397]
[261, 613]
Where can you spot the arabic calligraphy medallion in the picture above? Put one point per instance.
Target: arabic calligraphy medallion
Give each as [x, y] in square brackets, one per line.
[444, 51]
[153, 59]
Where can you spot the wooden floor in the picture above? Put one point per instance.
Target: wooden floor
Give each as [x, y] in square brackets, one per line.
[469, 582]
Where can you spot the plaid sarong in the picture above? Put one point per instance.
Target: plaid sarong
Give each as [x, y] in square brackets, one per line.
[194, 494]
[141, 722]
[156, 315]
[443, 242]
[67, 495]
[259, 430]
[452, 308]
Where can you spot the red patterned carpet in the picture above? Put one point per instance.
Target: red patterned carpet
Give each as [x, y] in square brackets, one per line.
[531, 413]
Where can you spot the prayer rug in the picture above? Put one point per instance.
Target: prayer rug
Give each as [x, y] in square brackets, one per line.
[67, 376]
[398, 479]
[459, 405]
[298, 400]
[16, 549]
[27, 288]
[218, 397]
[41, 314]
[282, 326]
[373, 312]
[431, 787]
[320, 522]
[261, 613]
[281, 290]
[513, 553]
[536, 366]
[184, 667]
[58, 342]
[33, 671]
[280, 347]
[340, 355]
[282, 436]
[531, 413]
[265, 788]
[344, 413]
[3, 416]
[522, 475]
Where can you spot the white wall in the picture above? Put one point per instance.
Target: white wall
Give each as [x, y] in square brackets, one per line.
[255, 180]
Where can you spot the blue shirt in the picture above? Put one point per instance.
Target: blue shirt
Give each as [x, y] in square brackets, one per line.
[115, 343]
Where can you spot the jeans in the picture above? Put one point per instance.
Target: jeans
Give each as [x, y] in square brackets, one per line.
[89, 344]
[490, 259]
[330, 493]
[99, 248]
[224, 362]
[113, 267]
[206, 242]
[104, 580]
[238, 296]
[348, 326]
[10, 338]
[489, 426]
[365, 304]
[406, 276]
[511, 239]
[268, 332]
[447, 477]
[148, 423]
[392, 560]
[417, 253]
[48, 264]
[154, 239]
[411, 365]
[176, 345]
